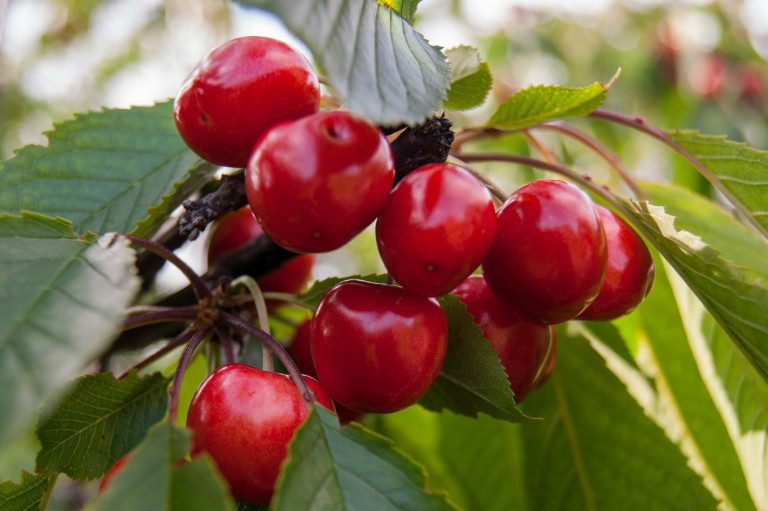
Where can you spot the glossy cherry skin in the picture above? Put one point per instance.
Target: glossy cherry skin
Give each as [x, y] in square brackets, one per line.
[301, 352]
[523, 345]
[113, 470]
[239, 227]
[376, 347]
[244, 418]
[435, 228]
[551, 362]
[629, 273]
[549, 255]
[315, 183]
[237, 92]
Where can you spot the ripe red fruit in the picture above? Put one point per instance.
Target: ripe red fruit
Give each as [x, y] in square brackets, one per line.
[244, 418]
[377, 348]
[523, 345]
[239, 227]
[629, 273]
[551, 362]
[114, 469]
[300, 351]
[315, 183]
[435, 228]
[237, 92]
[549, 254]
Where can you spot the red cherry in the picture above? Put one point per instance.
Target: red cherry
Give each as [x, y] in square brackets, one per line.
[549, 255]
[300, 351]
[523, 345]
[377, 348]
[244, 418]
[237, 92]
[629, 273]
[239, 227]
[315, 183]
[117, 467]
[435, 228]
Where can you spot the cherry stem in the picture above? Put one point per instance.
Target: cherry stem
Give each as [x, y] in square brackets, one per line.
[202, 290]
[160, 315]
[610, 157]
[639, 124]
[197, 337]
[267, 364]
[228, 344]
[237, 323]
[557, 168]
[495, 189]
[170, 346]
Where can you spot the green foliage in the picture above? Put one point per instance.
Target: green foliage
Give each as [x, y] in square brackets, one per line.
[98, 421]
[154, 480]
[311, 298]
[470, 79]
[405, 8]
[26, 495]
[736, 169]
[103, 171]
[736, 296]
[349, 468]
[596, 449]
[377, 64]
[62, 297]
[472, 379]
[540, 103]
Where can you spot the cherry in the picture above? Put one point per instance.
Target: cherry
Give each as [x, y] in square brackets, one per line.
[114, 469]
[435, 228]
[523, 345]
[244, 418]
[551, 362]
[629, 273]
[549, 254]
[237, 92]
[239, 227]
[300, 351]
[377, 347]
[315, 183]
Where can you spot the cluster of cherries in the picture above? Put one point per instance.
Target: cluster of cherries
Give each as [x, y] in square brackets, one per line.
[314, 180]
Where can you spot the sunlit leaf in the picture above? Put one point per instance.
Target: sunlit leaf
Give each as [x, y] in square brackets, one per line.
[470, 79]
[540, 103]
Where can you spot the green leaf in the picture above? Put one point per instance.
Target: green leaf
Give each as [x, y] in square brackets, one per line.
[98, 421]
[152, 479]
[311, 298]
[741, 396]
[470, 79]
[736, 169]
[349, 468]
[103, 170]
[472, 379]
[679, 379]
[26, 495]
[596, 449]
[540, 103]
[378, 65]
[736, 296]
[405, 8]
[62, 298]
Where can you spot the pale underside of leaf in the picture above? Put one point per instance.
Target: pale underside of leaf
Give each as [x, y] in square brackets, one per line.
[64, 298]
[378, 65]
